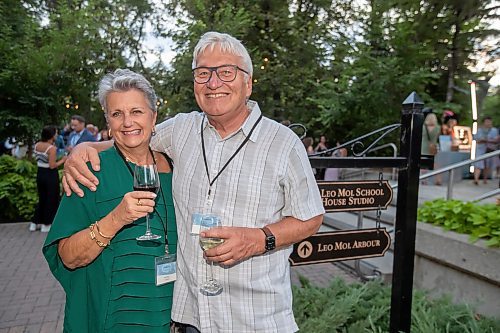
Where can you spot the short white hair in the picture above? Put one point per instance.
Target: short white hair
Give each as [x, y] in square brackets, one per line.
[123, 80]
[227, 44]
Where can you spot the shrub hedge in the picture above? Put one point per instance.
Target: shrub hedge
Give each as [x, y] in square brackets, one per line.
[18, 193]
[364, 308]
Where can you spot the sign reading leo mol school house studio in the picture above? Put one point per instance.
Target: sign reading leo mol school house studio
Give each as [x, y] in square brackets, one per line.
[341, 245]
[355, 195]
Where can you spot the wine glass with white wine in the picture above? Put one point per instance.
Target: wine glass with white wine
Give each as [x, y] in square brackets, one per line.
[210, 287]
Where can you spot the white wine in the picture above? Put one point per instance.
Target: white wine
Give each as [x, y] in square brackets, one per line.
[208, 243]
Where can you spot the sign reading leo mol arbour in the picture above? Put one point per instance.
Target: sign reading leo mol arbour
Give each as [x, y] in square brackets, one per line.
[355, 195]
[341, 245]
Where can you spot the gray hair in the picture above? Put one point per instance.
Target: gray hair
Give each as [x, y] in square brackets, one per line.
[122, 80]
[227, 44]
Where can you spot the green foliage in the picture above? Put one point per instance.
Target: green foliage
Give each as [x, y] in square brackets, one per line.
[18, 192]
[339, 68]
[365, 308]
[290, 44]
[55, 52]
[478, 221]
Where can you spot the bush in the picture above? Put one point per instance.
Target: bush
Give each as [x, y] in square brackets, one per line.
[366, 308]
[478, 221]
[18, 193]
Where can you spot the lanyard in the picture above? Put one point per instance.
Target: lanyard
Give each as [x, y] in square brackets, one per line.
[163, 224]
[211, 182]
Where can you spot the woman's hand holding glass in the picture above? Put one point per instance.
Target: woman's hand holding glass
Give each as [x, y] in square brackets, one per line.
[134, 205]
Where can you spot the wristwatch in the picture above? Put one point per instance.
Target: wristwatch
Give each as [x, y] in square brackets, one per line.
[270, 239]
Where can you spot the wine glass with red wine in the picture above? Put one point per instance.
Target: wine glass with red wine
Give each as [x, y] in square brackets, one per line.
[146, 178]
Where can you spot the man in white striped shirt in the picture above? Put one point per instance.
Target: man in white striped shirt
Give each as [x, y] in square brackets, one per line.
[252, 172]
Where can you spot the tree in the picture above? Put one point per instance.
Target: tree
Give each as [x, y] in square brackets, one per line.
[332, 65]
[52, 66]
[289, 41]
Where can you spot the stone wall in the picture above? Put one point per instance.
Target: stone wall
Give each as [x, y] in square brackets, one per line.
[447, 262]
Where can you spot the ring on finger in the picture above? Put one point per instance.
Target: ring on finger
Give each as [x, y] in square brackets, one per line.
[139, 203]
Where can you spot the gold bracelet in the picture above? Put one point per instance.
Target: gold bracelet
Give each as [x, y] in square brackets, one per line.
[99, 231]
[94, 238]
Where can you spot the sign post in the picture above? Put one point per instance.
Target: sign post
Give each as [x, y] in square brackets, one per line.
[371, 195]
[412, 121]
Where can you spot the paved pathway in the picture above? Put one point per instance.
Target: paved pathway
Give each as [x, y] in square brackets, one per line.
[31, 300]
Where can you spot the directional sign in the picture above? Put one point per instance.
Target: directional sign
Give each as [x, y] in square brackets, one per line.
[355, 195]
[340, 245]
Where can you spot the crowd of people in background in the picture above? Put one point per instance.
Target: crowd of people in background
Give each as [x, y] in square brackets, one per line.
[49, 152]
[322, 149]
[438, 134]
[444, 137]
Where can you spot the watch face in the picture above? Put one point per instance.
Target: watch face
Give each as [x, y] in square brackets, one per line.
[270, 243]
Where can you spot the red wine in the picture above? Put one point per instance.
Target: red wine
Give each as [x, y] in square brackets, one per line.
[153, 189]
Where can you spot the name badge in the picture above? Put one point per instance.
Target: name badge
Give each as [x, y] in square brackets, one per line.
[166, 269]
[196, 219]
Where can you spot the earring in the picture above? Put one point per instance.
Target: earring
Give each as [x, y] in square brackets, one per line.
[109, 133]
[153, 132]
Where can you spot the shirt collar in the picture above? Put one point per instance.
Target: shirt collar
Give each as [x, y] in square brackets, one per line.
[254, 115]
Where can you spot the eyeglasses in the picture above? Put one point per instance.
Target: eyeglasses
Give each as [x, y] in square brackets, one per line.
[225, 73]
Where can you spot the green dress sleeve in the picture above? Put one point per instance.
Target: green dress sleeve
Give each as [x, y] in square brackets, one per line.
[74, 214]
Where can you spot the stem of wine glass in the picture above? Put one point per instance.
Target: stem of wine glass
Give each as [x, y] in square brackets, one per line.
[148, 229]
[211, 271]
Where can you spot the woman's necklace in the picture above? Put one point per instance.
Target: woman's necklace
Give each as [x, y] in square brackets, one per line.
[128, 159]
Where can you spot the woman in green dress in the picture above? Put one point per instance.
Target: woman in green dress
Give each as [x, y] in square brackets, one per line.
[111, 279]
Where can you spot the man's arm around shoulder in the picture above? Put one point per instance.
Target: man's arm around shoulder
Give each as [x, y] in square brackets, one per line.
[76, 170]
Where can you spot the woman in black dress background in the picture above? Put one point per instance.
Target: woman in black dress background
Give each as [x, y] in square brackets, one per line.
[47, 179]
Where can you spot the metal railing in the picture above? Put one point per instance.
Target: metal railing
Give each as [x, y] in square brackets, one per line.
[451, 172]
[394, 154]
[450, 169]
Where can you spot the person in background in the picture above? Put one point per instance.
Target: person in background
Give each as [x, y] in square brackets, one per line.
[447, 128]
[320, 147]
[104, 135]
[332, 174]
[246, 168]
[65, 132]
[430, 135]
[111, 279]
[447, 115]
[286, 122]
[94, 130]
[47, 179]
[60, 145]
[7, 145]
[308, 144]
[487, 140]
[79, 134]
